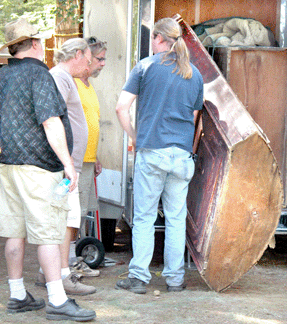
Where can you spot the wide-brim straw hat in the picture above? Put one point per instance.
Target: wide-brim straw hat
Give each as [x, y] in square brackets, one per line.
[20, 30]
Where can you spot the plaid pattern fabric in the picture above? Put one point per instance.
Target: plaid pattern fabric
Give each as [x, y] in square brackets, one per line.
[28, 97]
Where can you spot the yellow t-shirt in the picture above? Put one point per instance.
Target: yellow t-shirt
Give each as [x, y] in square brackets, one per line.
[91, 108]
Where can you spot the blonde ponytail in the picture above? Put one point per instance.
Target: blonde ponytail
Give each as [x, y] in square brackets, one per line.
[171, 33]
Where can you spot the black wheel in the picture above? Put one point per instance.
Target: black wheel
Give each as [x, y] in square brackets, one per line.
[92, 250]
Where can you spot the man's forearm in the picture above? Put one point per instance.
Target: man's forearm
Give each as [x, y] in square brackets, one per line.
[122, 109]
[56, 136]
[125, 121]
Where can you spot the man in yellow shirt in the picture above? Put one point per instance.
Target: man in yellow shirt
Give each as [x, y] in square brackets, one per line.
[91, 166]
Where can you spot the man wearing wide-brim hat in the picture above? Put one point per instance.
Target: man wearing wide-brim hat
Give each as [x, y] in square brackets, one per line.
[18, 31]
[36, 145]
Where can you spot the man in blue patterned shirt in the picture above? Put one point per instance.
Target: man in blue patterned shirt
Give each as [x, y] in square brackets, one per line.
[36, 146]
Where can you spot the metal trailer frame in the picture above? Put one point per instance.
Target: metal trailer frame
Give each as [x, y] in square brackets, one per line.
[115, 187]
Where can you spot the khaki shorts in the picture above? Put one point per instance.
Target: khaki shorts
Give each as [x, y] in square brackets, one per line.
[87, 189]
[27, 207]
[74, 215]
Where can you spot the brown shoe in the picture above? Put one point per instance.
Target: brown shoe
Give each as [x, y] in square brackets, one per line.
[41, 281]
[81, 268]
[72, 286]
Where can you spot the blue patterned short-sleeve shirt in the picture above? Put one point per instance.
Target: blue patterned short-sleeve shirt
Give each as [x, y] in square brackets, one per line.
[28, 97]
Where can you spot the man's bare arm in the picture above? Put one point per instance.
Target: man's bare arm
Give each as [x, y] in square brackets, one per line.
[123, 112]
[56, 136]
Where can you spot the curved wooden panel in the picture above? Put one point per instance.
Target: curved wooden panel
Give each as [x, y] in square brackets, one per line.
[248, 209]
[235, 197]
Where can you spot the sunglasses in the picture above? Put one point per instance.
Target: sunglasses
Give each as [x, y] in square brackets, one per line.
[93, 40]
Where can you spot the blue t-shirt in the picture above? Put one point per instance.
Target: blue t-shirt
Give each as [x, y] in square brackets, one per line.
[166, 104]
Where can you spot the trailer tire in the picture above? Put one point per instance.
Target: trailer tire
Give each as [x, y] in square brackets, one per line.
[92, 250]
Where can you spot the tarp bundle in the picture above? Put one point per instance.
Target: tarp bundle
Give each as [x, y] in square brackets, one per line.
[234, 32]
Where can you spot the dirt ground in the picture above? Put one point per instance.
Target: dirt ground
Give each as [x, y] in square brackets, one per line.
[260, 296]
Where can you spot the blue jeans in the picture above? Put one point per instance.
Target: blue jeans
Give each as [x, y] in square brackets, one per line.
[163, 173]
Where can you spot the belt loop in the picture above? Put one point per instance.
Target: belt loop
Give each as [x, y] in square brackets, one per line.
[194, 156]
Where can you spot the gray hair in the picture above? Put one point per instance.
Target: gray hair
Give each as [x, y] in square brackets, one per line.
[69, 50]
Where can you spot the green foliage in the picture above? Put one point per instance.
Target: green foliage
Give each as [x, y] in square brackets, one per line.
[38, 12]
[68, 9]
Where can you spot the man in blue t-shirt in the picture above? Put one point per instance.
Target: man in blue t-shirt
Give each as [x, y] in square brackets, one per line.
[169, 90]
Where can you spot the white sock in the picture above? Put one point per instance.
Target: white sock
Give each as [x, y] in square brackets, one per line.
[65, 272]
[17, 289]
[56, 292]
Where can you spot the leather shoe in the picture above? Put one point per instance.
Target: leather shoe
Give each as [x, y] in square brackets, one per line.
[176, 288]
[28, 304]
[132, 284]
[70, 310]
[72, 286]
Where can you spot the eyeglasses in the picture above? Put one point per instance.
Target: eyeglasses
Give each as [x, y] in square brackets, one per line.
[100, 59]
[89, 61]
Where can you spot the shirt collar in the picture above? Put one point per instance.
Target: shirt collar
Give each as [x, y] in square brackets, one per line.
[26, 60]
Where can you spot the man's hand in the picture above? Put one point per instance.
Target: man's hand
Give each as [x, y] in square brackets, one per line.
[97, 168]
[71, 174]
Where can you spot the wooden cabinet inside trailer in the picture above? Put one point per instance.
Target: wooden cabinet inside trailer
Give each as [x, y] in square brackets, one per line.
[258, 76]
